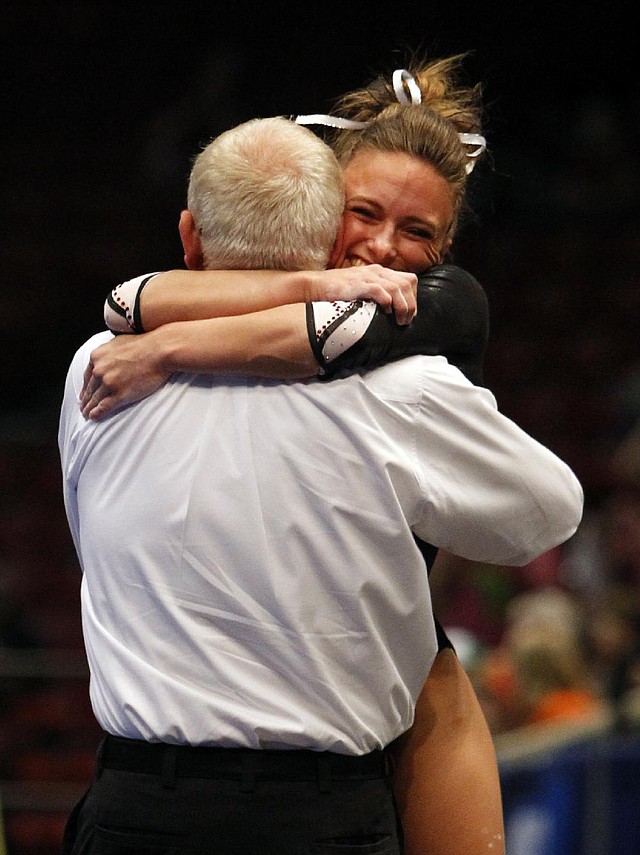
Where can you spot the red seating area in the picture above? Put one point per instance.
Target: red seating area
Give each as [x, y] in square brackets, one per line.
[48, 735]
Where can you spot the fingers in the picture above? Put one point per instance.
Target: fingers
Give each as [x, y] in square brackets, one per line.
[96, 412]
[86, 378]
[405, 305]
[401, 291]
[91, 386]
[99, 404]
[96, 398]
[395, 291]
[400, 307]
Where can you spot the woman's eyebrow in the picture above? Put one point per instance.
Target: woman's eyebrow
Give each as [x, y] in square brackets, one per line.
[360, 198]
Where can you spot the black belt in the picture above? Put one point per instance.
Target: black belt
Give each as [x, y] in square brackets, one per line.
[183, 761]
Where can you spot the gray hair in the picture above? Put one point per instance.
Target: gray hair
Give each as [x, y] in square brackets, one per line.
[266, 194]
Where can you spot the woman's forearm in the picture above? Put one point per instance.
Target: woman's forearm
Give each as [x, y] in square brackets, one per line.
[187, 295]
[271, 343]
[147, 302]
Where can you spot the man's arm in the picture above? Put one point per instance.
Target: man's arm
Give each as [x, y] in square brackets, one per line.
[513, 498]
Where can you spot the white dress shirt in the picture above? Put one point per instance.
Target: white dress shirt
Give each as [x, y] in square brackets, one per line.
[250, 576]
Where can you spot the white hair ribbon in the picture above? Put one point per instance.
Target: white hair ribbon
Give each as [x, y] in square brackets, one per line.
[330, 122]
[400, 76]
[480, 144]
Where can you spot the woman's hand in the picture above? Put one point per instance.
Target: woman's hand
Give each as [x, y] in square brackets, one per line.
[393, 290]
[120, 372]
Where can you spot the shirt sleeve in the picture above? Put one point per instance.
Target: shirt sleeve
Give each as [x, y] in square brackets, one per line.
[75, 432]
[510, 497]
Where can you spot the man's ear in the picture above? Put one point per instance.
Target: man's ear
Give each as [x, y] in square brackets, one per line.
[191, 242]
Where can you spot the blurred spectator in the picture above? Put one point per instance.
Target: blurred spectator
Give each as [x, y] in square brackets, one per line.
[614, 626]
[613, 637]
[539, 673]
[552, 679]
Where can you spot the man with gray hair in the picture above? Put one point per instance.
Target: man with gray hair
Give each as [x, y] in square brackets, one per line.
[256, 611]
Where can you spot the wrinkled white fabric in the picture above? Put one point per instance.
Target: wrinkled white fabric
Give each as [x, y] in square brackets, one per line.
[250, 576]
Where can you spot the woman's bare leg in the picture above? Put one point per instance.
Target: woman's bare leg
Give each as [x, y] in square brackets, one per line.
[445, 774]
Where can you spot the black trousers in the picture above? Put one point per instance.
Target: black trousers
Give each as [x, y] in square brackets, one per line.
[166, 800]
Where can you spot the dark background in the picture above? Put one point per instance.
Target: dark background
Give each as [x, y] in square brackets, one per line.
[106, 104]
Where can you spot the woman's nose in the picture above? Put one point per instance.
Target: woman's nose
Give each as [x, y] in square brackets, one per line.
[382, 246]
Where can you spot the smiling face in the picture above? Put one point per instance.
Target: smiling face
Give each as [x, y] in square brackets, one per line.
[398, 213]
